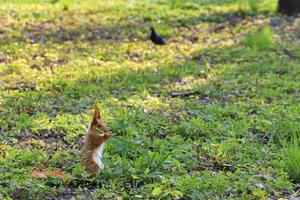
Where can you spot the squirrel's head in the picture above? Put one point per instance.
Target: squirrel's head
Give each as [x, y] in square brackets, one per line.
[98, 125]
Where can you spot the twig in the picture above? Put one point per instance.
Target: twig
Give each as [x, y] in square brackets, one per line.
[184, 93]
[21, 87]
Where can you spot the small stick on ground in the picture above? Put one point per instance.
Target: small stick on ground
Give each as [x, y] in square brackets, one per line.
[184, 93]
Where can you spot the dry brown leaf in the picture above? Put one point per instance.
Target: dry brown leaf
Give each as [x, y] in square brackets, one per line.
[56, 173]
[46, 173]
[39, 175]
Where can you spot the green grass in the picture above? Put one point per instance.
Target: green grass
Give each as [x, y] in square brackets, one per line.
[263, 39]
[292, 158]
[223, 142]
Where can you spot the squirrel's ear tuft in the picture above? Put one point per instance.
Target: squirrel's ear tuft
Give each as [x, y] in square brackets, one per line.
[97, 113]
[97, 116]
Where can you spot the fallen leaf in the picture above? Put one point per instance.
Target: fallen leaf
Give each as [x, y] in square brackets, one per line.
[46, 173]
[56, 173]
[39, 175]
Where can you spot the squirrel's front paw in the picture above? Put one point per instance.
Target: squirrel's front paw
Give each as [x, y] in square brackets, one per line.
[108, 134]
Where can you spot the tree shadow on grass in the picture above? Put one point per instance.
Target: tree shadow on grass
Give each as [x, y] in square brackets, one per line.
[243, 78]
[122, 83]
[239, 83]
[92, 33]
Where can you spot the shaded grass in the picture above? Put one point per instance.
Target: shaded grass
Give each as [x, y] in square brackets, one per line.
[291, 163]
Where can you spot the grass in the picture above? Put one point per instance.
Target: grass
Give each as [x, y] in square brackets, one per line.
[263, 39]
[59, 59]
[292, 152]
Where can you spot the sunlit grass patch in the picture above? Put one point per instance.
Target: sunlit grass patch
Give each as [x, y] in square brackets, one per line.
[263, 39]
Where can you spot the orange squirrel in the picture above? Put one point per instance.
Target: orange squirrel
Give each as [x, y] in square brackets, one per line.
[95, 141]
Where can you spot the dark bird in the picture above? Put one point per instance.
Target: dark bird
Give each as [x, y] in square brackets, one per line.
[156, 39]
